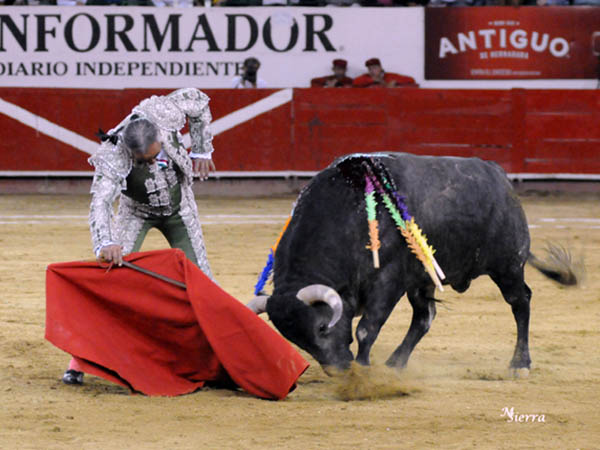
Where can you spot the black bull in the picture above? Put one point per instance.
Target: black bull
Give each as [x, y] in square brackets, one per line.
[323, 272]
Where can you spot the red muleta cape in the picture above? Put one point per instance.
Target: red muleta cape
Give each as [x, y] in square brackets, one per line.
[158, 339]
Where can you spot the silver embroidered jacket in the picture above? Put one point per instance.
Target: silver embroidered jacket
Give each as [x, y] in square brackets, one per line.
[113, 164]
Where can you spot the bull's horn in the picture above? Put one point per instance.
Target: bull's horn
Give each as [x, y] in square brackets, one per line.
[258, 304]
[321, 293]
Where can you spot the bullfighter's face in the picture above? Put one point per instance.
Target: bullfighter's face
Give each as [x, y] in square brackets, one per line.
[150, 155]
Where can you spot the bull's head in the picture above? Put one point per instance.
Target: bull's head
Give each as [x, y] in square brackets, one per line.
[311, 320]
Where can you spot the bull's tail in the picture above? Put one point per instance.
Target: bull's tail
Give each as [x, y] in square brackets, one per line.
[559, 265]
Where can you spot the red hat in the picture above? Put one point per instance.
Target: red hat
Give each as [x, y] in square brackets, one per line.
[340, 63]
[373, 62]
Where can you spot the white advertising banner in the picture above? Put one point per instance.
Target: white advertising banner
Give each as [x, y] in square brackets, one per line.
[144, 47]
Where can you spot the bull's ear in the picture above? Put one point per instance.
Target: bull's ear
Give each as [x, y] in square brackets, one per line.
[258, 304]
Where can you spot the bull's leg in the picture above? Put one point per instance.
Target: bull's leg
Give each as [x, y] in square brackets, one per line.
[518, 295]
[373, 318]
[423, 305]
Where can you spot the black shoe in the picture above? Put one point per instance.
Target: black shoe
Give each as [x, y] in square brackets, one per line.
[72, 377]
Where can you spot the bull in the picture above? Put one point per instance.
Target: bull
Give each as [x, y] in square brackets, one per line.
[323, 276]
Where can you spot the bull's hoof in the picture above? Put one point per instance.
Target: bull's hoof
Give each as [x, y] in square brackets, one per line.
[396, 363]
[334, 371]
[363, 361]
[519, 372]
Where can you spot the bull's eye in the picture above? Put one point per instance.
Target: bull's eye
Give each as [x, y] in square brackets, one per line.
[323, 328]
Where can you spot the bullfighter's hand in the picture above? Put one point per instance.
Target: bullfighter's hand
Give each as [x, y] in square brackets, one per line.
[202, 167]
[112, 254]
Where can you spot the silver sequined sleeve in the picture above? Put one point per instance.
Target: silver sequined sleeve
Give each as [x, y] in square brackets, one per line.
[194, 104]
[112, 164]
[104, 193]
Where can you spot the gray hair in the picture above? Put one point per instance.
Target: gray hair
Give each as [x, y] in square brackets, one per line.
[139, 135]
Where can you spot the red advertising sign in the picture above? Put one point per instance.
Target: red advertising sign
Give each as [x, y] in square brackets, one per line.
[512, 43]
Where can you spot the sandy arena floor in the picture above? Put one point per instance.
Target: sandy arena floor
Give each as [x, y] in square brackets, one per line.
[456, 386]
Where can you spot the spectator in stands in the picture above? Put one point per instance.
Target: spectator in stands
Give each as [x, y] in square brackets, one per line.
[177, 3]
[101, 2]
[238, 3]
[338, 79]
[526, 3]
[463, 2]
[377, 77]
[249, 77]
[553, 2]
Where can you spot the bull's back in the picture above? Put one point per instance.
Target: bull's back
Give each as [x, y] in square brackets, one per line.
[467, 208]
[468, 185]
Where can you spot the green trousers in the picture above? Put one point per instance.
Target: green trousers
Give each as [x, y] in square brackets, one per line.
[173, 230]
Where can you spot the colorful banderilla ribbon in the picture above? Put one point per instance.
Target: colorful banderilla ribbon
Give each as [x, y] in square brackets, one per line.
[415, 239]
[266, 272]
[371, 205]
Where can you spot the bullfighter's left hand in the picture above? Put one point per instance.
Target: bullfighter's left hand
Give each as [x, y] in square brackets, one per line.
[202, 167]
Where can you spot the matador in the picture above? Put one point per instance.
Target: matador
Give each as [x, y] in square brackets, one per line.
[144, 163]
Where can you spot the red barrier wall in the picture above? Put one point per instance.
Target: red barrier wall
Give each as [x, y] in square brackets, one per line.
[523, 130]
[526, 131]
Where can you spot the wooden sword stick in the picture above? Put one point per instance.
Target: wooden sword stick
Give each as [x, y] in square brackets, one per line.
[155, 275]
